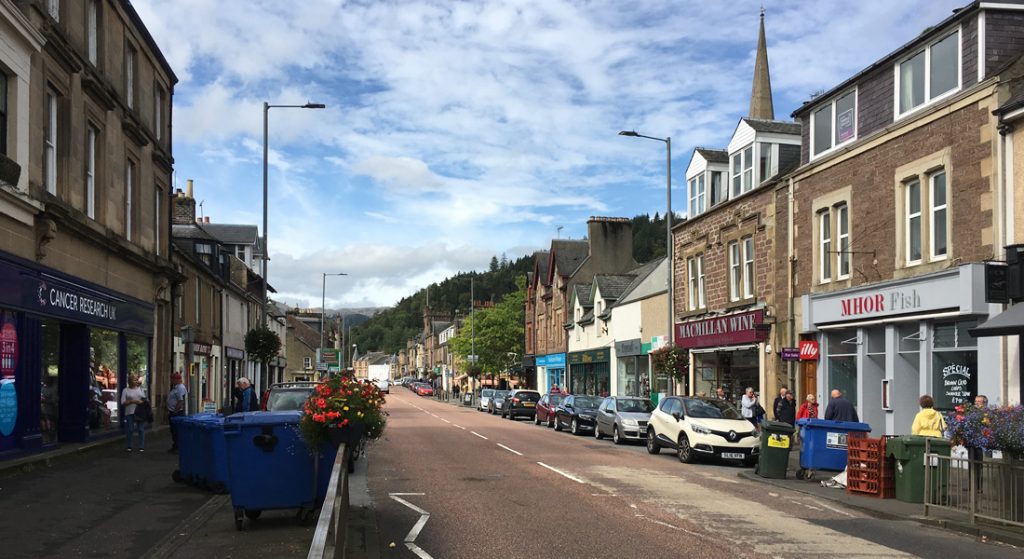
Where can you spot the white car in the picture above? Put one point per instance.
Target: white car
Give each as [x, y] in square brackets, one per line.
[485, 399]
[702, 427]
[384, 385]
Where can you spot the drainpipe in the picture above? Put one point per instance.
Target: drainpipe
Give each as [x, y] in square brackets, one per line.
[1004, 227]
[791, 262]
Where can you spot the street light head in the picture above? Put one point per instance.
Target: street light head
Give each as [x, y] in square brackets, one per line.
[314, 106]
[629, 133]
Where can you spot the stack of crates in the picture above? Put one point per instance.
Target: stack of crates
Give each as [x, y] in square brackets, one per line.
[867, 469]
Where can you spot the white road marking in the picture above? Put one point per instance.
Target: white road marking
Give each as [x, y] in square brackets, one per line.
[459, 426]
[445, 420]
[479, 435]
[561, 473]
[833, 509]
[667, 525]
[416, 528]
[510, 450]
[419, 552]
[405, 494]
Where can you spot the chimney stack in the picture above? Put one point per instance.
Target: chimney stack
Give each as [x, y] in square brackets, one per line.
[611, 242]
[188, 188]
[206, 219]
[184, 207]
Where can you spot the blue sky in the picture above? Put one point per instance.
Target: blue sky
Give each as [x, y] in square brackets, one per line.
[455, 131]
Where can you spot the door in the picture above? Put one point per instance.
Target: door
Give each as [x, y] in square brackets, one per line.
[606, 415]
[808, 379]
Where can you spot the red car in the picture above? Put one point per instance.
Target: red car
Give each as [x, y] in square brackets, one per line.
[546, 409]
[424, 389]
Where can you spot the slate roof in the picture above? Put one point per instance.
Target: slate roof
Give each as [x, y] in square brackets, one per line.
[569, 254]
[439, 325]
[302, 332]
[583, 295]
[612, 286]
[233, 234]
[191, 231]
[714, 155]
[774, 126]
[640, 274]
[541, 258]
[587, 318]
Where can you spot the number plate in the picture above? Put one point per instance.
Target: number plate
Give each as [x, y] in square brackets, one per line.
[733, 455]
[528, 404]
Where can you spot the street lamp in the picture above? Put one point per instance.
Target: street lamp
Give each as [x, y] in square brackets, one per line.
[266, 249]
[668, 221]
[323, 311]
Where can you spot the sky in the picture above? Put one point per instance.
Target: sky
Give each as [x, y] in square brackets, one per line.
[457, 131]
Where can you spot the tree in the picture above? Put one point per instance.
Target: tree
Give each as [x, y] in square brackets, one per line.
[262, 344]
[494, 264]
[498, 334]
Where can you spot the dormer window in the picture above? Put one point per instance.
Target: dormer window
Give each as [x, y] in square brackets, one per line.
[697, 194]
[834, 124]
[742, 171]
[929, 74]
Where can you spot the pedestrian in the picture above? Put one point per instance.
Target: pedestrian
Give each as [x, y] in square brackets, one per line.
[455, 390]
[246, 400]
[784, 407]
[928, 422]
[976, 455]
[808, 409]
[175, 406]
[721, 394]
[131, 398]
[840, 409]
[749, 405]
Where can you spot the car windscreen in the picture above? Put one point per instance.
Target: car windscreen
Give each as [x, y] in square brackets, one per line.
[287, 400]
[500, 393]
[487, 393]
[528, 396]
[711, 409]
[555, 399]
[587, 401]
[631, 405]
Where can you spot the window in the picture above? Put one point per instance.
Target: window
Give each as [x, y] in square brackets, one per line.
[825, 236]
[158, 112]
[735, 272]
[691, 275]
[843, 238]
[157, 218]
[743, 171]
[129, 194]
[53, 8]
[307, 363]
[700, 281]
[938, 215]
[913, 221]
[129, 76]
[697, 195]
[748, 267]
[719, 192]
[929, 74]
[50, 147]
[90, 172]
[3, 113]
[92, 23]
[834, 124]
[767, 165]
[199, 307]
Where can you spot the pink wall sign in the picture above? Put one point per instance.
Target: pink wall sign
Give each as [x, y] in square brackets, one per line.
[733, 329]
[8, 346]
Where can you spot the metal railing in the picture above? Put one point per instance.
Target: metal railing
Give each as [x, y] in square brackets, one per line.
[329, 537]
[982, 490]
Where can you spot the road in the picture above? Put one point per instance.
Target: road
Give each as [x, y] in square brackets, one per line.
[449, 482]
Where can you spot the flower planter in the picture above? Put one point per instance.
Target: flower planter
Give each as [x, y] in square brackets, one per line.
[348, 435]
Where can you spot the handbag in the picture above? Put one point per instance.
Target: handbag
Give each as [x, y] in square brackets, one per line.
[758, 410]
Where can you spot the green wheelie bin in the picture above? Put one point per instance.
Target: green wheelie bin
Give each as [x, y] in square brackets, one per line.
[908, 452]
[776, 442]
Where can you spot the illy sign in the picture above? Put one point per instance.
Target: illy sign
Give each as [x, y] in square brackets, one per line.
[808, 350]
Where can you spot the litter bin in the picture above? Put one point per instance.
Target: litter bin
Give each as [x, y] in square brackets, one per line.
[908, 452]
[467, 399]
[191, 459]
[214, 472]
[823, 445]
[776, 439]
[269, 465]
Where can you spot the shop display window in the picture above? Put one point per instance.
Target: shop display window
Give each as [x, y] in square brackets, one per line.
[842, 363]
[104, 391]
[138, 360]
[49, 396]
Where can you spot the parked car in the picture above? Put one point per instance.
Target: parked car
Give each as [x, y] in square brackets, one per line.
[623, 418]
[520, 403]
[702, 427]
[497, 401]
[577, 413]
[425, 389]
[288, 396]
[546, 409]
[384, 385]
[485, 399]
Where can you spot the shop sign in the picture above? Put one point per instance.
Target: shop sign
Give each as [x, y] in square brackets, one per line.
[199, 348]
[808, 350]
[790, 354]
[234, 353]
[8, 346]
[955, 378]
[554, 360]
[628, 347]
[591, 356]
[925, 295]
[997, 287]
[735, 329]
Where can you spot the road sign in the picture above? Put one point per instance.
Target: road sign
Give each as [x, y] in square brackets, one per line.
[472, 358]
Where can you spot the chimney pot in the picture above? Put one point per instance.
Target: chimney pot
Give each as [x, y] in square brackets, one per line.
[206, 219]
[188, 192]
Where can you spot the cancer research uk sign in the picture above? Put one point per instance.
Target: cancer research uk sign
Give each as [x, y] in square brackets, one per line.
[733, 329]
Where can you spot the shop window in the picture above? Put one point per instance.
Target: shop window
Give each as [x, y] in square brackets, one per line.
[103, 395]
[842, 362]
[138, 360]
[910, 338]
[4, 109]
[49, 399]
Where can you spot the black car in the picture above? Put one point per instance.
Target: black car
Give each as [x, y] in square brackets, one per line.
[577, 413]
[520, 403]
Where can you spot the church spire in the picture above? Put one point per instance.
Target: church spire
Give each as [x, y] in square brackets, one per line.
[761, 93]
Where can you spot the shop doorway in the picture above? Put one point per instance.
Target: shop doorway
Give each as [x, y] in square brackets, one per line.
[808, 379]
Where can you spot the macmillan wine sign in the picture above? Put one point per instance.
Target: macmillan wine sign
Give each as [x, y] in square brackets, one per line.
[733, 329]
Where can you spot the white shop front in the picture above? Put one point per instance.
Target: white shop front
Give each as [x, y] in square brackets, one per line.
[886, 344]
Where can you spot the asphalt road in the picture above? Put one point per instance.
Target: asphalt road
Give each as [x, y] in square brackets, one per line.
[450, 482]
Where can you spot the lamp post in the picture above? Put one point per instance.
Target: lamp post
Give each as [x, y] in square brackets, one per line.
[668, 222]
[266, 249]
[323, 312]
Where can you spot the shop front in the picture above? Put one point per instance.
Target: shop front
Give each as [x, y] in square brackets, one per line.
[725, 351]
[67, 348]
[632, 369]
[234, 367]
[590, 372]
[886, 344]
[550, 372]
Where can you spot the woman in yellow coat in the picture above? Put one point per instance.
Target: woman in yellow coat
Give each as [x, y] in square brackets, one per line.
[928, 422]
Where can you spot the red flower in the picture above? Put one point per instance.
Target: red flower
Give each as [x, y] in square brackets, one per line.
[333, 415]
[344, 422]
[319, 418]
[321, 403]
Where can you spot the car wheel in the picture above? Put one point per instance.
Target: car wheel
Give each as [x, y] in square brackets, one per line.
[597, 431]
[574, 427]
[685, 452]
[558, 423]
[536, 420]
[652, 443]
[616, 435]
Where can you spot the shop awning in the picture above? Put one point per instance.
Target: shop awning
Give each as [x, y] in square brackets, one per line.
[1007, 323]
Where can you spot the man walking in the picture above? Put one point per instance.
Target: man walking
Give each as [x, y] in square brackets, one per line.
[175, 406]
[785, 407]
[840, 409]
[977, 455]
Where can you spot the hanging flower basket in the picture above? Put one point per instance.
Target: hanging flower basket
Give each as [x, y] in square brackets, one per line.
[674, 362]
[348, 435]
[989, 428]
[342, 409]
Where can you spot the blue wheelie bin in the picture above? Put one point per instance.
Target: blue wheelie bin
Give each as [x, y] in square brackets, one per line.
[214, 455]
[269, 465]
[823, 445]
[191, 453]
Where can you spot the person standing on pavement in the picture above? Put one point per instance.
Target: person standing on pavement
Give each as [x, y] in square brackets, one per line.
[749, 405]
[131, 398]
[246, 400]
[808, 409]
[840, 409]
[928, 422]
[784, 407]
[175, 406]
[974, 454]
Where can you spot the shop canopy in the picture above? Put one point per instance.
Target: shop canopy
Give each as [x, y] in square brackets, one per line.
[1007, 323]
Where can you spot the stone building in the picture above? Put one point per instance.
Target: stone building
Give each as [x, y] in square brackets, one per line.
[84, 217]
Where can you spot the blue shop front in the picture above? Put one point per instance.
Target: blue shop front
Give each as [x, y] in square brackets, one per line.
[550, 371]
[67, 347]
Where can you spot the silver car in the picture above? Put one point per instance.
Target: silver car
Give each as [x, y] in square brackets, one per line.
[485, 399]
[623, 418]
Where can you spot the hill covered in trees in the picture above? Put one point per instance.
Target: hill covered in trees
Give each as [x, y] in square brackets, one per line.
[389, 329]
